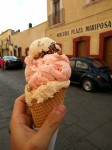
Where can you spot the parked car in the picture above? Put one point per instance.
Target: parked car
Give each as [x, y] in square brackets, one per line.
[90, 73]
[12, 62]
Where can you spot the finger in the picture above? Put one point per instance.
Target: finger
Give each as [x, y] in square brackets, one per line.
[19, 105]
[51, 124]
[28, 111]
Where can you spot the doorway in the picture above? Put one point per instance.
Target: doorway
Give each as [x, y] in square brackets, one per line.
[81, 49]
[108, 51]
[19, 52]
[26, 51]
[105, 48]
[15, 52]
[81, 46]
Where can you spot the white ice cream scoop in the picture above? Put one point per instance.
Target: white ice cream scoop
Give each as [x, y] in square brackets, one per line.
[42, 45]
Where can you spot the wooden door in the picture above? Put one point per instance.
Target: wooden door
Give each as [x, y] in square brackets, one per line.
[108, 51]
[19, 52]
[81, 50]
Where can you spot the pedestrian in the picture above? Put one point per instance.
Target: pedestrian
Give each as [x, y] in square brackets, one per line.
[2, 63]
[23, 137]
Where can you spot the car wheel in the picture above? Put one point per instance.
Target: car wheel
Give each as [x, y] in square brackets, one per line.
[88, 85]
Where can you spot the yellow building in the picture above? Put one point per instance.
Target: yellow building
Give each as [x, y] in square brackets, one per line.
[5, 41]
[22, 40]
[83, 27]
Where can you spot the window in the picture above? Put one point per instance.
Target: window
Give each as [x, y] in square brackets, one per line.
[72, 63]
[98, 63]
[81, 64]
[57, 13]
[56, 4]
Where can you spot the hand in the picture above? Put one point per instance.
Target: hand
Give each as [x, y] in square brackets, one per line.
[23, 137]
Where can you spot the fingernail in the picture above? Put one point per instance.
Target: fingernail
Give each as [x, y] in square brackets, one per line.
[60, 110]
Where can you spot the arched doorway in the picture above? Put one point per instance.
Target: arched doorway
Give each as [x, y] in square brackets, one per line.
[26, 51]
[19, 52]
[81, 49]
[106, 47]
[11, 53]
[15, 52]
[81, 46]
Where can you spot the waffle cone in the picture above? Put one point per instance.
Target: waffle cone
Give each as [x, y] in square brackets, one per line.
[41, 110]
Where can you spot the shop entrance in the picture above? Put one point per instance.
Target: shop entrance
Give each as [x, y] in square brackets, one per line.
[108, 51]
[81, 46]
[15, 52]
[105, 47]
[81, 49]
[19, 52]
[26, 51]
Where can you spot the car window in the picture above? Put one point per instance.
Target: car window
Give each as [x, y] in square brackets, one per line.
[10, 57]
[72, 63]
[98, 63]
[81, 64]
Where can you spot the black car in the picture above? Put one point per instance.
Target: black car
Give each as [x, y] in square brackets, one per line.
[90, 73]
[12, 62]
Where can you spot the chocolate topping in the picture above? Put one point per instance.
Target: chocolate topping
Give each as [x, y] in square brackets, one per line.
[52, 50]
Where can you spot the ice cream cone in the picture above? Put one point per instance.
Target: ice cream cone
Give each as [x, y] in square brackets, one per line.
[41, 110]
[47, 75]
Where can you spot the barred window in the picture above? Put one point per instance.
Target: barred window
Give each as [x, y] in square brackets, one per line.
[57, 13]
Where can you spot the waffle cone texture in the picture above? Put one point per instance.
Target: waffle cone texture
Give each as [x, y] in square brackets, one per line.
[40, 111]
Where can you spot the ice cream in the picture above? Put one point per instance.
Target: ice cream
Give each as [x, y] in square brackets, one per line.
[47, 75]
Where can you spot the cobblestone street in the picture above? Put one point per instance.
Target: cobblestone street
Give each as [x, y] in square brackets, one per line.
[88, 121]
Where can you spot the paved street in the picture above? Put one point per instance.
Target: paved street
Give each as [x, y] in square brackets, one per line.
[88, 122]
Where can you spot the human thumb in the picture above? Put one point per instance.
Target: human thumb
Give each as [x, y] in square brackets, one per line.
[51, 124]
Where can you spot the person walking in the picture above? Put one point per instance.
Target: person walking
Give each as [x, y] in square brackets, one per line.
[2, 63]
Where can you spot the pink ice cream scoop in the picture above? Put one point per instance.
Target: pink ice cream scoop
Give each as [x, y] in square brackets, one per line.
[52, 67]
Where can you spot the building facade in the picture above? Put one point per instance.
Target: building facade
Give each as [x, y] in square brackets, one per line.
[5, 42]
[22, 40]
[83, 27]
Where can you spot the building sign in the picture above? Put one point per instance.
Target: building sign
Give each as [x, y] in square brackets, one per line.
[88, 28]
